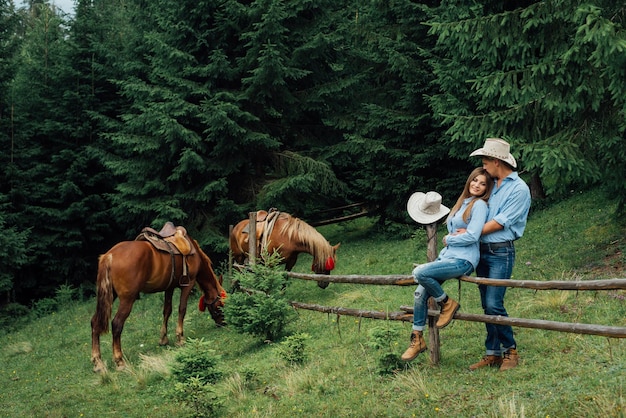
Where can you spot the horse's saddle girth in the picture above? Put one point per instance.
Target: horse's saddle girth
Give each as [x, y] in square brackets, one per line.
[174, 241]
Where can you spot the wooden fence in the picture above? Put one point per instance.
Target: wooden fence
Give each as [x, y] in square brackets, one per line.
[405, 313]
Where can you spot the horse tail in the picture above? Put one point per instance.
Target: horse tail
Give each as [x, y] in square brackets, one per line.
[104, 302]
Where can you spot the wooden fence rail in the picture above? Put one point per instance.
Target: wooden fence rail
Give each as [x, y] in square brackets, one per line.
[404, 280]
[406, 313]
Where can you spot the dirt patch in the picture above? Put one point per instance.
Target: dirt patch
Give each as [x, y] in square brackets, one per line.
[612, 266]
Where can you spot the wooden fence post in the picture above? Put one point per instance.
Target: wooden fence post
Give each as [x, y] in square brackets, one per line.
[433, 331]
[252, 246]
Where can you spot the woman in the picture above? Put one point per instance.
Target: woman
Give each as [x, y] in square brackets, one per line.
[459, 257]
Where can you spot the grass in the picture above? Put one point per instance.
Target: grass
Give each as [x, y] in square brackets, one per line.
[45, 369]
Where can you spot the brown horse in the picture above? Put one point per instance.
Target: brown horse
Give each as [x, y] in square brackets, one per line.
[289, 236]
[132, 267]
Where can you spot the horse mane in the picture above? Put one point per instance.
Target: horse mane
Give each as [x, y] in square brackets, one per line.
[209, 264]
[297, 229]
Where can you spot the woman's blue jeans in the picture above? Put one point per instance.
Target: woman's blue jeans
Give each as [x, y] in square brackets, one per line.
[430, 276]
[496, 264]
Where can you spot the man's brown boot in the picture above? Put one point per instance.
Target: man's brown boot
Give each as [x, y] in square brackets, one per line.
[448, 309]
[510, 360]
[488, 360]
[417, 346]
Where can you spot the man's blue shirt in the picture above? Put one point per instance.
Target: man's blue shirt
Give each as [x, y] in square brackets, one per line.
[508, 205]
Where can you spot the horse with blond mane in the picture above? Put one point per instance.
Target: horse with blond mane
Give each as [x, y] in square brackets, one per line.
[288, 236]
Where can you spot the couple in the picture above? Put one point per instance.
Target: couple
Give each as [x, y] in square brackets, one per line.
[488, 216]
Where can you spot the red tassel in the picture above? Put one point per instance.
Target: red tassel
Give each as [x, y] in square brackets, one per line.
[330, 263]
[201, 304]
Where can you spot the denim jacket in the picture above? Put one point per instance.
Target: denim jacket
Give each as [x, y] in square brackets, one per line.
[465, 246]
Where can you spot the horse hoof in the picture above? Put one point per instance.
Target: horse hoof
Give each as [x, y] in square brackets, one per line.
[99, 367]
[120, 365]
[323, 285]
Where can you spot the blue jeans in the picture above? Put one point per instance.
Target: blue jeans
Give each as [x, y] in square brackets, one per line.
[496, 264]
[430, 276]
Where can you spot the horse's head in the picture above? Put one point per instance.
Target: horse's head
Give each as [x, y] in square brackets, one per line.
[325, 266]
[214, 307]
[213, 294]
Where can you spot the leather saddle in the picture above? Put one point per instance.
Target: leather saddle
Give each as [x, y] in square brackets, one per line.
[265, 221]
[172, 240]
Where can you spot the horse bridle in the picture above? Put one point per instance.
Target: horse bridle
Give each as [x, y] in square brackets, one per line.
[216, 311]
[211, 305]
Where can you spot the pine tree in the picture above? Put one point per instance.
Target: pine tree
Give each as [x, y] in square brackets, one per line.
[165, 166]
[392, 146]
[220, 99]
[13, 241]
[291, 52]
[548, 76]
[54, 183]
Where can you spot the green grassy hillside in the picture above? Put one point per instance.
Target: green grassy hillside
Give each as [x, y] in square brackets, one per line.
[45, 369]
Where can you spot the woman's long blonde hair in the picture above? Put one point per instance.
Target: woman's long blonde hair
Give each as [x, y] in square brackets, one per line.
[466, 193]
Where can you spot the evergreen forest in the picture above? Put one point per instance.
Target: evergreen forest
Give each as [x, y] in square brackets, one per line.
[129, 113]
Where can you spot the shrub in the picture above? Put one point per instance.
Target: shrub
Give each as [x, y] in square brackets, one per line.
[199, 397]
[292, 349]
[196, 369]
[196, 360]
[45, 306]
[13, 315]
[260, 308]
[65, 294]
[387, 360]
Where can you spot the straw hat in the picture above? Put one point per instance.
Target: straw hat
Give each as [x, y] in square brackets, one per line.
[426, 208]
[496, 148]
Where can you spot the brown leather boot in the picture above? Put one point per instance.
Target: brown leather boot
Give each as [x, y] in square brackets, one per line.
[448, 309]
[510, 360]
[488, 360]
[417, 346]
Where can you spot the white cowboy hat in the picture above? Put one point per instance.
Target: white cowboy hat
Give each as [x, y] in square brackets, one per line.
[426, 208]
[496, 148]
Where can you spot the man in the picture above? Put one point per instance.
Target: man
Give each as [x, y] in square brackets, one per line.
[509, 204]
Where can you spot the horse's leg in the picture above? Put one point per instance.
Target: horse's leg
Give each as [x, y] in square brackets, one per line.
[167, 312]
[182, 311]
[117, 325]
[290, 261]
[96, 356]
